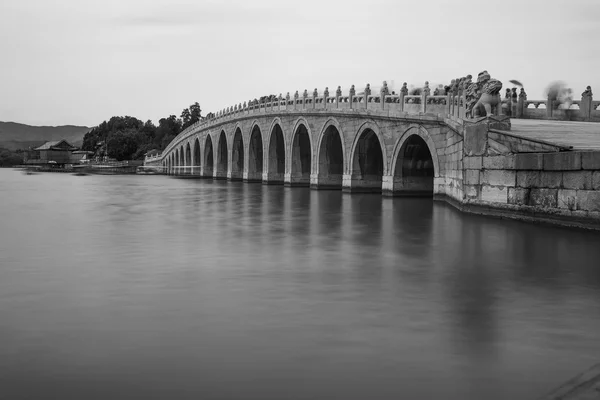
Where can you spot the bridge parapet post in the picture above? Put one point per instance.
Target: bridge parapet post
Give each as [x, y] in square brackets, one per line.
[366, 95]
[383, 93]
[351, 95]
[304, 97]
[585, 105]
[549, 106]
[403, 93]
[314, 98]
[424, 94]
[325, 97]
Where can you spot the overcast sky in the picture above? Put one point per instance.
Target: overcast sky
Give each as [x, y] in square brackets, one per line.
[80, 62]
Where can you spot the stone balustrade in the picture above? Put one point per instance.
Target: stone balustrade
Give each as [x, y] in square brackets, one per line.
[445, 105]
[585, 109]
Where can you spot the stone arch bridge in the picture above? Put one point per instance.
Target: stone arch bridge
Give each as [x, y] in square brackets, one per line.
[361, 144]
[396, 145]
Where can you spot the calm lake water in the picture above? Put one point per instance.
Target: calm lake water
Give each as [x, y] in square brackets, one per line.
[123, 287]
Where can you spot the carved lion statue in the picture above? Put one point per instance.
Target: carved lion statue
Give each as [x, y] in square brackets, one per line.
[483, 96]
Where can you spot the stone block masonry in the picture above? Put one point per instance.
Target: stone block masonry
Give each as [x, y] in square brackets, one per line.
[541, 184]
[561, 187]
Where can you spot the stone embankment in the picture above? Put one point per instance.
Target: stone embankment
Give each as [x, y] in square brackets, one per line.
[504, 175]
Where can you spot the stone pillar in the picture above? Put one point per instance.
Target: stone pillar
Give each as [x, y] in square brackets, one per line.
[549, 106]
[387, 186]
[424, 95]
[324, 182]
[521, 104]
[292, 180]
[272, 178]
[360, 184]
[586, 104]
[304, 97]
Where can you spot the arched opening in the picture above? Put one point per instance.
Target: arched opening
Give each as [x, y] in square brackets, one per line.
[255, 156]
[414, 170]
[208, 158]
[222, 157]
[367, 164]
[188, 158]
[237, 156]
[182, 152]
[331, 160]
[276, 156]
[196, 162]
[177, 162]
[301, 157]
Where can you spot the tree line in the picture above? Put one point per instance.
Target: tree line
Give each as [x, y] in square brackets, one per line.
[128, 138]
[10, 158]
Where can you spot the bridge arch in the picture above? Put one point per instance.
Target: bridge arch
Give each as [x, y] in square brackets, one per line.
[301, 153]
[368, 159]
[237, 154]
[331, 155]
[276, 152]
[188, 157]
[207, 171]
[222, 156]
[197, 160]
[415, 163]
[255, 154]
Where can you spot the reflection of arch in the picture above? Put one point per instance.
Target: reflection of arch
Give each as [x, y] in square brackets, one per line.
[276, 152]
[422, 132]
[237, 155]
[255, 154]
[222, 156]
[208, 157]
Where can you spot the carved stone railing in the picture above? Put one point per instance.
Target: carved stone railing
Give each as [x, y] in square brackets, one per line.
[451, 104]
[585, 109]
[400, 103]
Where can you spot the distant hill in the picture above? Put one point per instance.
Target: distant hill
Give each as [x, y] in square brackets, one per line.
[15, 136]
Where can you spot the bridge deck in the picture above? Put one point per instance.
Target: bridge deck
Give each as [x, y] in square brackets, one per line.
[579, 135]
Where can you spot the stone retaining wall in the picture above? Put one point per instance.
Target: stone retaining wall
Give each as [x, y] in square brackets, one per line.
[560, 186]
